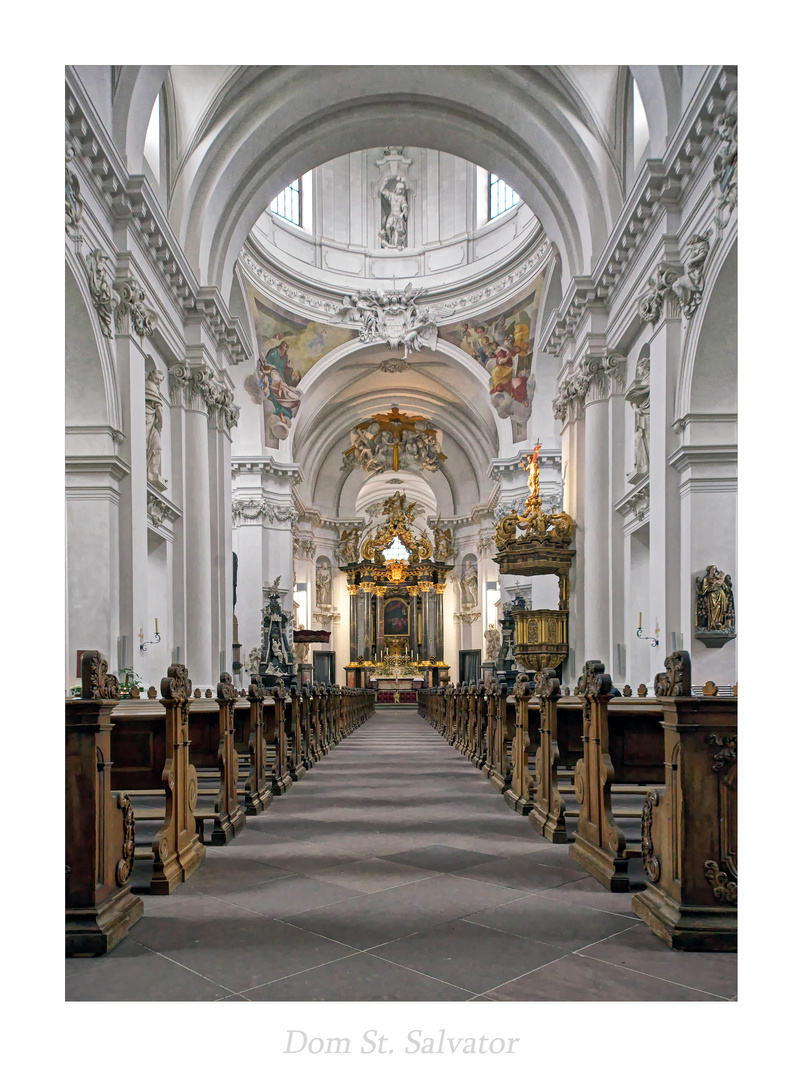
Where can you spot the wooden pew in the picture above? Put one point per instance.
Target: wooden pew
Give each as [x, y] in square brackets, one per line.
[548, 815]
[519, 794]
[251, 744]
[99, 822]
[295, 736]
[688, 834]
[501, 772]
[599, 843]
[492, 698]
[150, 751]
[480, 755]
[277, 720]
[217, 763]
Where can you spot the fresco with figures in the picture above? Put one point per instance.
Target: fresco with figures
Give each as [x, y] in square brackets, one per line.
[289, 347]
[503, 341]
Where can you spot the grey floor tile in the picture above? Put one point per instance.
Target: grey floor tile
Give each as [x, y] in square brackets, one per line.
[407, 909]
[579, 978]
[221, 871]
[290, 896]
[440, 857]
[538, 918]
[133, 973]
[469, 955]
[524, 872]
[361, 977]
[372, 875]
[638, 949]
[587, 892]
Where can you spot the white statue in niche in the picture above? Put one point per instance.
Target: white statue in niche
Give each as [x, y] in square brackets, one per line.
[638, 394]
[153, 429]
[323, 586]
[468, 583]
[395, 209]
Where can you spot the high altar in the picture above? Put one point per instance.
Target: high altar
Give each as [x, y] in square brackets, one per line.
[396, 580]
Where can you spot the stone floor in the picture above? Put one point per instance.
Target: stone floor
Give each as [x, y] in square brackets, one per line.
[394, 872]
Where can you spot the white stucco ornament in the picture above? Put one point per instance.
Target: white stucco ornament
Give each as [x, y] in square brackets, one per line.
[393, 317]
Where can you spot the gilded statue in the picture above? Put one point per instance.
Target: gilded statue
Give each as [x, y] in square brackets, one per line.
[349, 545]
[443, 542]
[715, 610]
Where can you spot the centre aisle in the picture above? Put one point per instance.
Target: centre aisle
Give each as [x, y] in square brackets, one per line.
[393, 872]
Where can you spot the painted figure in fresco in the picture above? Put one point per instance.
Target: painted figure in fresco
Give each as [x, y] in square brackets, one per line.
[394, 227]
[503, 380]
[278, 379]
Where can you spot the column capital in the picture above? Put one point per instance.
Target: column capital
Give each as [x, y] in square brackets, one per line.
[194, 386]
[596, 378]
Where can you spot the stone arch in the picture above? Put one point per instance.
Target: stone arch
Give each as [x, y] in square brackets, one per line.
[91, 393]
[707, 381]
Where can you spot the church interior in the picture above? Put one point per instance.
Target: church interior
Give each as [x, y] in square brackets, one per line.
[402, 599]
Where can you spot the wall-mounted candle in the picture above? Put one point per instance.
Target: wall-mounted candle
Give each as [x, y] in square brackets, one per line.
[639, 620]
[156, 623]
[656, 628]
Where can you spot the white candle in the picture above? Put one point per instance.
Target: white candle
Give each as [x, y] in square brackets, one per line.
[639, 620]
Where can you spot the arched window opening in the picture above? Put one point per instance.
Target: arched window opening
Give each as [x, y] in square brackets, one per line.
[502, 197]
[287, 203]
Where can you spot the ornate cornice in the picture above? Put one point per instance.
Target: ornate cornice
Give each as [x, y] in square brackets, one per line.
[445, 304]
[549, 458]
[257, 511]
[267, 467]
[659, 183]
[127, 197]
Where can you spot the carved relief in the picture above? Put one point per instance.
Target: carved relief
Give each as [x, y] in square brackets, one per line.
[652, 866]
[725, 166]
[176, 685]
[394, 440]
[103, 295]
[73, 203]
[723, 887]
[125, 866]
[686, 286]
[96, 683]
[393, 317]
[226, 690]
[676, 681]
[131, 315]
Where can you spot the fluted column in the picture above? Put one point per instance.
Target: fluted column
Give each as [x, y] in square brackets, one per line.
[439, 591]
[206, 407]
[353, 635]
[426, 621]
[380, 619]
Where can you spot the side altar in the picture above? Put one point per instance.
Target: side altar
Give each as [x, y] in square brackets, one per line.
[396, 580]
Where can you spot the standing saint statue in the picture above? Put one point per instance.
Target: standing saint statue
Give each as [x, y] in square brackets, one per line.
[393, 233]
[638, 394]
[469, 585]
[493, 641]
[323, 586]
[153, 429]
[715, 600]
